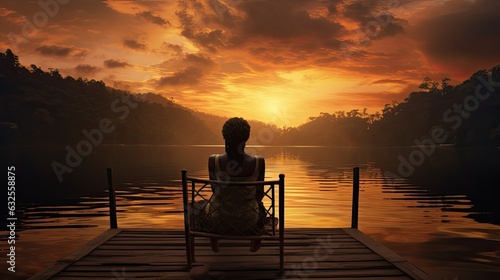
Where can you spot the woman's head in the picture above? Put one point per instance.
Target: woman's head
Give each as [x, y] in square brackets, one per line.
[236, 131]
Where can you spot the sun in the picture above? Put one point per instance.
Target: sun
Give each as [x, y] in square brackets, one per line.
[276, 111]
[272, 107]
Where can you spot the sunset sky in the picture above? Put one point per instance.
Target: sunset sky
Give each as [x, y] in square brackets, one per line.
[278, 61]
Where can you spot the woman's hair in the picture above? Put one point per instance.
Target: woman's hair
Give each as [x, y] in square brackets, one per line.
[236, 130]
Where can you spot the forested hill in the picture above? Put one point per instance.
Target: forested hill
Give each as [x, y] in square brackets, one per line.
[467, 114]
[44, 108]
[40, 108]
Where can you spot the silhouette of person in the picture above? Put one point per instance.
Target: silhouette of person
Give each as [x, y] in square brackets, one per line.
[237, 208]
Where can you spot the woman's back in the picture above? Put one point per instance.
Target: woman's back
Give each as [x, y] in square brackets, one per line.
[234, 209]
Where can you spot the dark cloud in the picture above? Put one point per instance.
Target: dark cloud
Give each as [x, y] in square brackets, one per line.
[60, 51]
[463, 40]
[199, 60]
[112, 63]
[210, 40]
[391, 27]
[192, 68]
[174, 47]
[188, 76]
[86, 69]
[287, 19]
[250, 22]
[332, 6]
[291, 33]
[134, 44]
[365, 10]
[360, 10]
[374, 18]
[149, 16]
[54, 50]
[389, 81]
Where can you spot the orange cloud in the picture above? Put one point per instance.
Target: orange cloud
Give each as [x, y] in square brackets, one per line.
[279, 60]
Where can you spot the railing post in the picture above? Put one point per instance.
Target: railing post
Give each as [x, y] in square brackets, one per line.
[187, 235]
[281, 221]
[112, 201]
[355, 197]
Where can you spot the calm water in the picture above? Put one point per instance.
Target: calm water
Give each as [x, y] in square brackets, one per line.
[442, 219]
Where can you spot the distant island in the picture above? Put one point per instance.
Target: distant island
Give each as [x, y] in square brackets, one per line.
[44, 108]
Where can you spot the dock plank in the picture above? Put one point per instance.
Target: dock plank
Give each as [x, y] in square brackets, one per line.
[319, 253]
[64, 262]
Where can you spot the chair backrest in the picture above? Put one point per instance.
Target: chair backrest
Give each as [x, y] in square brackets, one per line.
[229, 209]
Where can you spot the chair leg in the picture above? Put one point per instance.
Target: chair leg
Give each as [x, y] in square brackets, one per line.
[255, 245]
[214, 243]
[188, 251]
[192, 250]
[282, 258]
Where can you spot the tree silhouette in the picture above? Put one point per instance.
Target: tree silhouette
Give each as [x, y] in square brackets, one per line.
[39, 107]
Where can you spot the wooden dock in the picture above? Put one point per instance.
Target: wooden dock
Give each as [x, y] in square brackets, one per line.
[338, 253]
[309, 253]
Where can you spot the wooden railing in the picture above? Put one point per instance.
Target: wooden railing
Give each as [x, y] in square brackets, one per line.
[113, 223]
[355, 197]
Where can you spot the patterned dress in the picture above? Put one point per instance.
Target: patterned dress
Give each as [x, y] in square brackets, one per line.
[234, 210]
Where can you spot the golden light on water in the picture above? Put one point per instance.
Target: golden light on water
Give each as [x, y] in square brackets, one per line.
[410, 219]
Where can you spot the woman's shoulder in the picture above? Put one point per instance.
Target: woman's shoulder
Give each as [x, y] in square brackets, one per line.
[213, 156]
[261, 158]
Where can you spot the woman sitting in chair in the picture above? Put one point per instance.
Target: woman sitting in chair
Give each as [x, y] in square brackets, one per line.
[236, 210]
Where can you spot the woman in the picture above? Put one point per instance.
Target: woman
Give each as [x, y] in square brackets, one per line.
[236, 211]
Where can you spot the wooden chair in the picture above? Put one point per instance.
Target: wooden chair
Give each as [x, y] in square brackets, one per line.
[198, 191]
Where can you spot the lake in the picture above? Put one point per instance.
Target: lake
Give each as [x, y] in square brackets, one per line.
[442, 218]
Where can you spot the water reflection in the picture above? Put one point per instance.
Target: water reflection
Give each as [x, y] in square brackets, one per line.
[424, 221]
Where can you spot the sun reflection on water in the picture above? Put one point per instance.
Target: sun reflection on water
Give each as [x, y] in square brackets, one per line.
[396, 212]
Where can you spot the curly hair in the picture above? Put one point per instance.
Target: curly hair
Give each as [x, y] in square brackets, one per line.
[236, 130]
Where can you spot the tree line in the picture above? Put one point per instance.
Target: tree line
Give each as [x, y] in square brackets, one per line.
[43, 108]
[467, 114]
[40, 107]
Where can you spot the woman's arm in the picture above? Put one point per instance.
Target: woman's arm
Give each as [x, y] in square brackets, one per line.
[211, 170]
[262, 170]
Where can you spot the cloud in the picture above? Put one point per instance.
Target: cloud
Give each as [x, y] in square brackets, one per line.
[257, 22]
[463, 40]
[60, 51]
[199, 60]
[285, 19]
[188, 76]
[112, 63]
[86, 69]
[287, 34]
[211, 40]
[149, 16]
[174, 47]
[5, 12]
[374, 18]
[134, 44]
[389, 81]
[188, 70]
